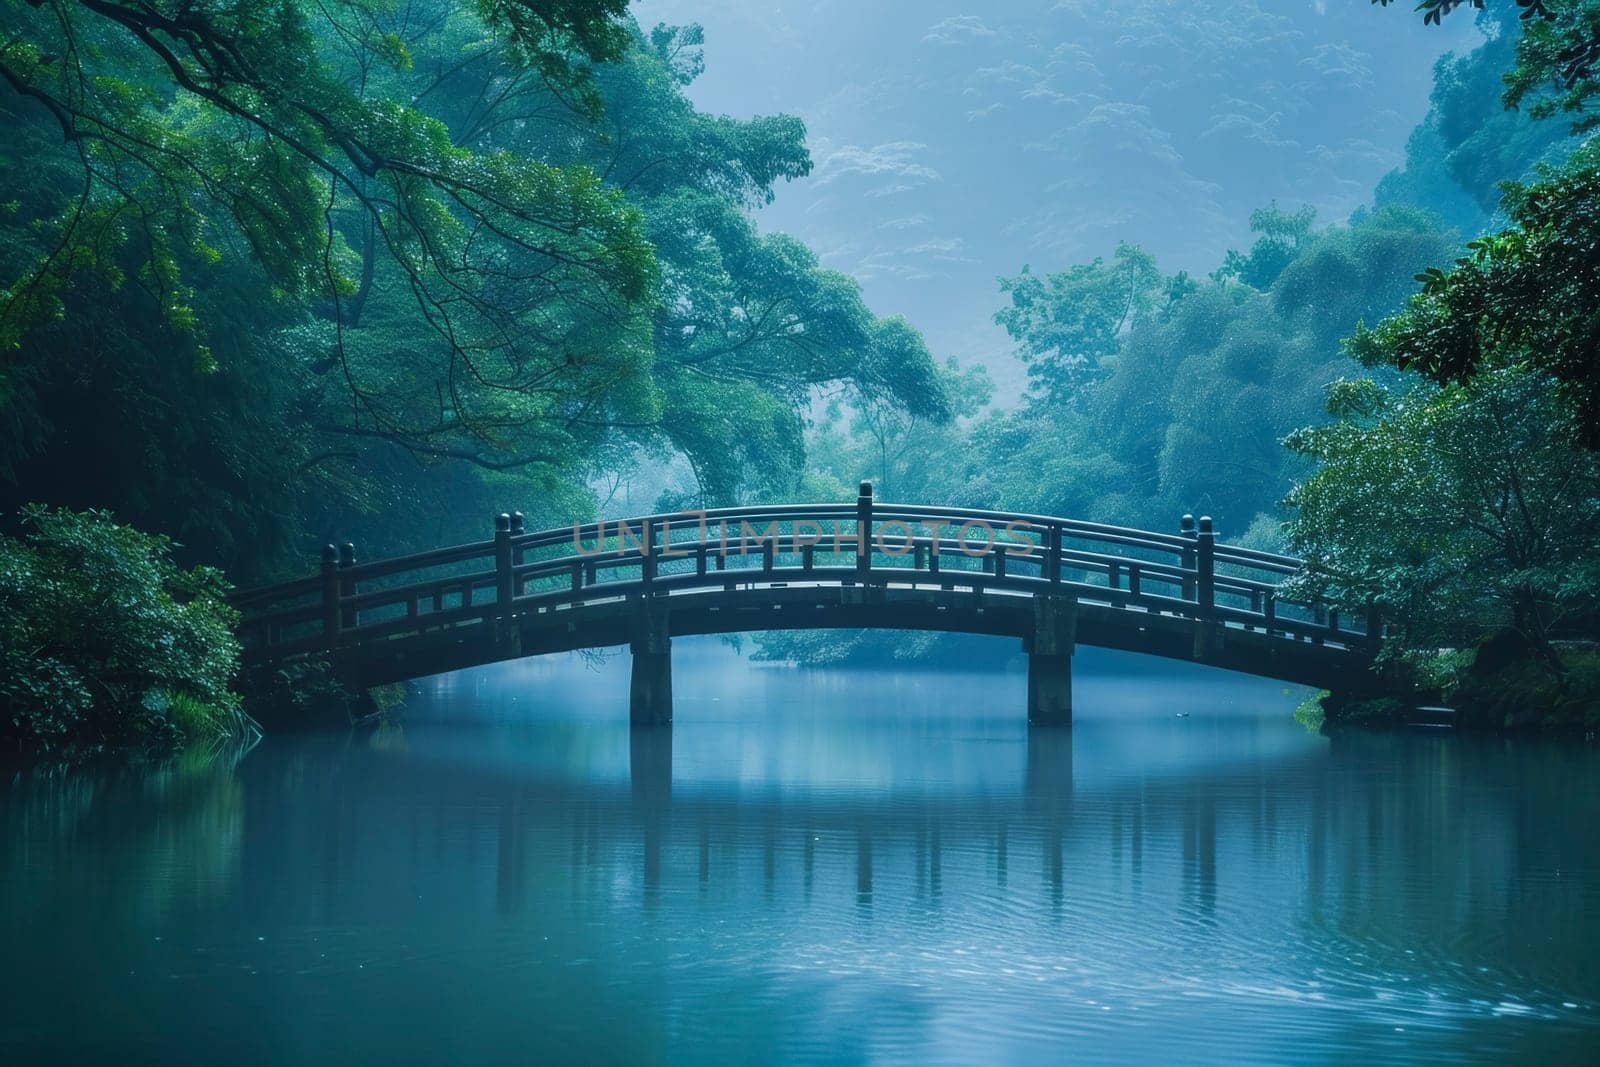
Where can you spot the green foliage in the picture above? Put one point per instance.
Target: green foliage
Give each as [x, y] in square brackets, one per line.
[1467, 512]
[1377, 711]
[1359, 273]
[1192, 395]
[1525, 695]
[260, 125]
[1068, 324]
[349, 262]
[1190, 400]
[1310, 712]
[547, 36]
[1470, 141]
[1190, 408]
[305, 694]
[1462, 512]
[104, 641]
[1556, 57]
[1528, 295]
[905, 455]
[1281, 234]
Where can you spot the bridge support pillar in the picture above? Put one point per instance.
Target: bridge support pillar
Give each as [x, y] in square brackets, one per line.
[1050, 661]
[1049, 690]
[650, 691]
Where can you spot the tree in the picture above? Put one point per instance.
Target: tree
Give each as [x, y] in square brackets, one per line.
[548, 269]
[249, 124]
[1347, 275]
[1529, 295]
[1556, 54]
[1068, 323]
[1462, 511]
[741, 327]
[905, 452]
[1469, 141]
[1281, 235]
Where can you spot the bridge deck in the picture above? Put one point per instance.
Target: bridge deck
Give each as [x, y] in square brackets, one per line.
[1052, 583]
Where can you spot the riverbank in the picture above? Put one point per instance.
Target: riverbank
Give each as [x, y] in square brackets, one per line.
[1491, 694]
[1493, 689]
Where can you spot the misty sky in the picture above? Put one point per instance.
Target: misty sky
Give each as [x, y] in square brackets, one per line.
[955, 142]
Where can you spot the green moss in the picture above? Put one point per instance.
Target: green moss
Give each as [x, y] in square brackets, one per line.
[1379, 711]
[1311, 713]
[387, 697]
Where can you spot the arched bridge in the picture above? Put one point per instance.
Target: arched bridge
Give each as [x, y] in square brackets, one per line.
[1052, 583]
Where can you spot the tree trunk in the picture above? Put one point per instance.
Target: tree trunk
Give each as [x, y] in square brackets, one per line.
[1528, 620]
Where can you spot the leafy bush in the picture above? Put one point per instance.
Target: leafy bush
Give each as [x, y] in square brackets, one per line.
[1310, 713]
[1524, 695]
[104, 641]
[307, 693]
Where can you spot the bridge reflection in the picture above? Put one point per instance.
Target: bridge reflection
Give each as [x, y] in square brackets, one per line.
[885, 848]
[720, 821]
[387, 834]
[1050, 837]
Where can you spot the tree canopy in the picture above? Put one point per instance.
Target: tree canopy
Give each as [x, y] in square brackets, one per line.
[373, 250]
[1526, 296]
[1461, 511]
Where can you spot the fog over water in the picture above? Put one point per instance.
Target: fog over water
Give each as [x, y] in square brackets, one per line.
[819, 866]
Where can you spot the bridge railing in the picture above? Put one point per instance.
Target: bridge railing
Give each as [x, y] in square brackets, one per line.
[868, 543]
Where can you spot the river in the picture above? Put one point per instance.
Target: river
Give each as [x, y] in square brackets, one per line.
[812, 866]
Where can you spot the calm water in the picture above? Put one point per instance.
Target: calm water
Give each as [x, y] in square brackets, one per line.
[813, 866]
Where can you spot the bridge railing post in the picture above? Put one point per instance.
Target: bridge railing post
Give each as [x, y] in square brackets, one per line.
[864, 533]
[1187, 554]
[331, 616]
[1205, 565]
[647, 559]
[503, 574]
[347, 586]
[1052, 554]
[518, 528]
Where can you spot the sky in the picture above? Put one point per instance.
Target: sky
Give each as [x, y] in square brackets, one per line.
[955, 142]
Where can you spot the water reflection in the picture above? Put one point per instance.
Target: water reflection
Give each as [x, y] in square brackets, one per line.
[870, 868]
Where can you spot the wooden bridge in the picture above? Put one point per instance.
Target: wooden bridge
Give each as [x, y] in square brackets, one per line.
[1051, 583]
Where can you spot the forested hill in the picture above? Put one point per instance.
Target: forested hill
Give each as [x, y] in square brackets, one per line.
[1153, 391]
[1410, 398]
[955, 141]
[282, 273]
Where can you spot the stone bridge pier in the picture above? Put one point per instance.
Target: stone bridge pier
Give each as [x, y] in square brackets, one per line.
[650, 687]
[1050, 649]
